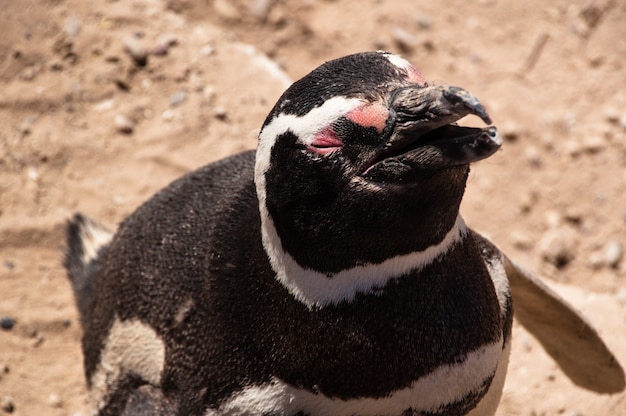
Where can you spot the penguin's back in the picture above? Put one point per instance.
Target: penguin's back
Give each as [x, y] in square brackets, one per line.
[153, 290]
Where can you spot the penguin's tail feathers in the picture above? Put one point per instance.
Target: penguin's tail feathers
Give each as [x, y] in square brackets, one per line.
[86, 242]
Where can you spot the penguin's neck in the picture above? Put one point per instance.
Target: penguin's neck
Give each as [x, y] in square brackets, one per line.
[318, 289]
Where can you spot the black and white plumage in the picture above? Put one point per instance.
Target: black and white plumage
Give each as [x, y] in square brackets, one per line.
[330, 273]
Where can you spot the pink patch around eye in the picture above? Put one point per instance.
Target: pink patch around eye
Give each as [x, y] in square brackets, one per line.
[325, 142]
[371, 115]
[416, 76]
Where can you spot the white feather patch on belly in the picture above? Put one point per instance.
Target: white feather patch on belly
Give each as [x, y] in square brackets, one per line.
[131, 347]
[447, 384]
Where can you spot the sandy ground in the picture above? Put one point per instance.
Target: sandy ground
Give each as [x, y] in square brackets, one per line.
[104, 102]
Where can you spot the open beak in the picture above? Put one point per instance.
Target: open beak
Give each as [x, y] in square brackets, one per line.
[423, 134]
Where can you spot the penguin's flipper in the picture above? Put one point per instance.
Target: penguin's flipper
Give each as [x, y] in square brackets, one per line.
[563, 332]
[86, 243]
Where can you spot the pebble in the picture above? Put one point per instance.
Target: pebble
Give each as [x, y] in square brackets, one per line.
[32, 173]
[220, 113]
[593, 144]
[6, 404]
[72, 26]
[7, 323]
[405, 40]
[104, 105]
[29, 73]
[123, 124]
[167, 115]
[226, 10]
[528, 200]
[4, 369]
[135, 48]
[521, 240]
[556, 247]
[611, 114]
[164, 43]
[260, 9]
[207, 50]
[37, 340]
[573, 215]
[511, 131]
[608, 256]
[613, 253]
[596, 260]
[178, 98]
[572, 148]
[533, 156]
[423, 22]
[55, 401]
[553, 219]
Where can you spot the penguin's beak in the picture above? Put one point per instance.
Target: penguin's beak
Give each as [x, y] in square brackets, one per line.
[423, 135]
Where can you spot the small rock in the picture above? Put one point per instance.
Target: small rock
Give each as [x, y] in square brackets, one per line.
[37, 340]
[55, 401]
[178, 98]
[72, 26]
[209, 92]
[104, 105]
[135, 48]
[510, 131]
[596, 260]
[527, 201]
[167, 115]
[29, 73]
[220, 113]
[622, 121]
[521, 240]
[553, 219]
[591, 14]
[260, 9]
[6, 404]
[573, 215]
[533, 156]
[123, 124]
[32, 173]
[7, 323]
[226, 10]
[572, 148]
[593, 144]
[207, 50]
[556, 247]
[405, 40]
[9, 265]
[163, 44]
[423, 22]
[613, 253]
[4, 369]
[611, 114]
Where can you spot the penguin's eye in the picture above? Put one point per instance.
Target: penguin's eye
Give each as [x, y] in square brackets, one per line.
[325, 142]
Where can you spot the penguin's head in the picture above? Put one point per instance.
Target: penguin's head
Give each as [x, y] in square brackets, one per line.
[360, 161]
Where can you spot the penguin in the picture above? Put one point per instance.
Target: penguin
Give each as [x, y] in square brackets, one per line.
[329, 272]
